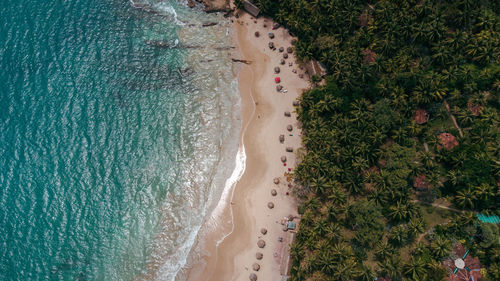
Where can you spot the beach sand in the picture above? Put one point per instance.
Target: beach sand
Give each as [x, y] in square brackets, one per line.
[263, 117]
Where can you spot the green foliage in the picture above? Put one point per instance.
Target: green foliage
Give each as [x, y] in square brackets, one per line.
[363, 150]
[489, 234]
[366, 219]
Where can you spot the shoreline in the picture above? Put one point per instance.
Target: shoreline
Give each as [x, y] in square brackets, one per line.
[229, 252]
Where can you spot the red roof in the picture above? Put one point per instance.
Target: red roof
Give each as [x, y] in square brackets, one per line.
[364, 18]
[421, 116]
[369, 56]
[448, 141]
[277, 80]
[476, 109]
[471, 269]
[420, 182]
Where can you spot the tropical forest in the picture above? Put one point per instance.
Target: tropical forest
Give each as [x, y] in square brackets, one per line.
[399, 174]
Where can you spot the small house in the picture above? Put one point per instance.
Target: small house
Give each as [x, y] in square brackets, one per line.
[251, 8]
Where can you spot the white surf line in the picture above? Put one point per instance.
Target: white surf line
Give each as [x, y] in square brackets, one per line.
[241, 152]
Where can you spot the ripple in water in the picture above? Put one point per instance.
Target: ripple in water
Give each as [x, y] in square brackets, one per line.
[112, 150]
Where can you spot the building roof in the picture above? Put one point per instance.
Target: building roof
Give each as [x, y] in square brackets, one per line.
[369, 56]
[448, 141]
[488, 219]
[251, 8]
[462, 266]
[421, 116]
[419, 182]
[474, 108]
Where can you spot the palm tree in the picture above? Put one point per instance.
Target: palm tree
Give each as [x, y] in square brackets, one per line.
[399, 211]
[383, 250]
[465, 198]
[365, 273]
[440, 247]
[338, 196]
[484, 192]
[415, 269]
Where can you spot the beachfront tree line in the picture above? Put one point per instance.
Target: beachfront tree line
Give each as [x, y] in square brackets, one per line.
[367, 168]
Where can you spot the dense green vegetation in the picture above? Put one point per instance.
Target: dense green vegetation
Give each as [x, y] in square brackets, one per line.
[363, 151]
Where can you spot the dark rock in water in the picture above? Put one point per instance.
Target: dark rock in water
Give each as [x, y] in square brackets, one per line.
[271, 45]
[270, 205]
[253, 277]
[256, 267]
[285, 55]
[274, 192]
[261, 243]
[213, 6]
[289, 50]
[271, 35]
[263, 231]
[289, 128]
[259, 255]
[208, 24]
[288, 114]
[281, 49]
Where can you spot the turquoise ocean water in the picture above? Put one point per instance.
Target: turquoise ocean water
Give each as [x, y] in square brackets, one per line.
[118, 128]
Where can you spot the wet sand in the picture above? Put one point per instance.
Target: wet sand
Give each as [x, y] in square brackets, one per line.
[263, 117]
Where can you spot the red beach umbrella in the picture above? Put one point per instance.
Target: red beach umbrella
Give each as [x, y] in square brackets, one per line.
[277, 80]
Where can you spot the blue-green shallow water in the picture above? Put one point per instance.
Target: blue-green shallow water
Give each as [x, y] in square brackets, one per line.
[111, 150]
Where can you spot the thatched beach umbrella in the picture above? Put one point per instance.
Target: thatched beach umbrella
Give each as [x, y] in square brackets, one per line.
[288, 114]
[295, 103]
[253, 277]
[282, 138]
[270, 205]
[285, 55]
[271, 35]
[289, 50]
[263, 231]
[261, 243]
[271, 45]
[256, 267]
[289, 128]
[276, 70]
[259, 255]
[279, 88]
[281, 49]
[276, 25]
[289, 149]
[283, 159]
[273, 192]
[282, 61]
[276, 180]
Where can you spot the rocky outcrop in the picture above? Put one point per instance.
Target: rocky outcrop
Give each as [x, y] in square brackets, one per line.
[212, 6]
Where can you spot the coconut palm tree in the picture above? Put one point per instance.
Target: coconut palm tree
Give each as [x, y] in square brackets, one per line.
[440, 247]
[465, 199]
[415, 269]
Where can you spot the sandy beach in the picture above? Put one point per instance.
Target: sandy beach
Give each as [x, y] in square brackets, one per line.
[263, 116]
